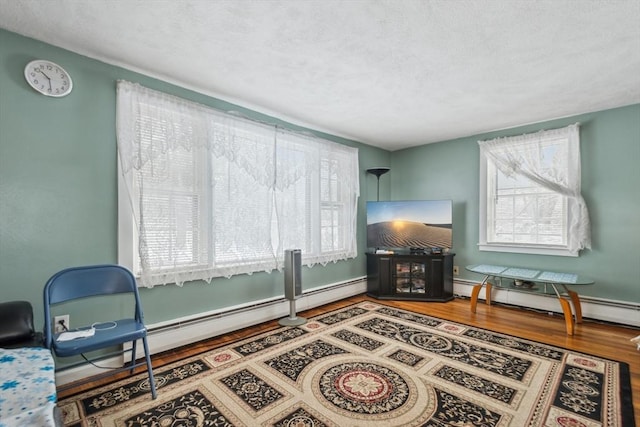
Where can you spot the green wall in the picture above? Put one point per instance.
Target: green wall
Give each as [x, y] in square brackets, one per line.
[58, 192]
[58, 189]
[610, 154]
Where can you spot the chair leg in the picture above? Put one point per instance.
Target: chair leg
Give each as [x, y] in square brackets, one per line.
[133, 356]
[152, 381]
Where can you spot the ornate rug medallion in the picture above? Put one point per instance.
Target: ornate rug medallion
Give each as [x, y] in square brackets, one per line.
[363, 388]
[371, 365]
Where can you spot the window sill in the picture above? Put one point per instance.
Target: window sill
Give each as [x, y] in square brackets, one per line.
[532, 250]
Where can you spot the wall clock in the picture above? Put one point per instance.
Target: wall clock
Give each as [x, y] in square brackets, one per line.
[48, 78]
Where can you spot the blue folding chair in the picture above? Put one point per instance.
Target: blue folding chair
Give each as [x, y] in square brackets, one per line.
[94, 281]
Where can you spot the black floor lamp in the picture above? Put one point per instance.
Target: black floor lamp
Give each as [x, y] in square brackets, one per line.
[378, 172]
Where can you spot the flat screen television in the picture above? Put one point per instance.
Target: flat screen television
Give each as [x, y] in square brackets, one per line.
[409, 224]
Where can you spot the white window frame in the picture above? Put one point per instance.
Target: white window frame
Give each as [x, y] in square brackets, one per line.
[315, 151]
[573, 206]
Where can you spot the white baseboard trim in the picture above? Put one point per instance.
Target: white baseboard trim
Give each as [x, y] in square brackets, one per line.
[190, 329]
[624, 313]
[187, 331]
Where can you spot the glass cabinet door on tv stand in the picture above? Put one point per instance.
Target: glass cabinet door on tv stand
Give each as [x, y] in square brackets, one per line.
[410, 277]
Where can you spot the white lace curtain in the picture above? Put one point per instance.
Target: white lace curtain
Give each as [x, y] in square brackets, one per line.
[213, 194]
[520, 156]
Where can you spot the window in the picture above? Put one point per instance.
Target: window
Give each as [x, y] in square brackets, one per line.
[530, 199]
[204, 194]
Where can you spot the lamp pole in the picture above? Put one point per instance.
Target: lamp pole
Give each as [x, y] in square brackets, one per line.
[378, 171]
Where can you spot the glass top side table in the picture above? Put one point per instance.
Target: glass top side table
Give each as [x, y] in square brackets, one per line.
[529, 280]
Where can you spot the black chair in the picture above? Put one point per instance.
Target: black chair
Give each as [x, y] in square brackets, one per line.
[96, 281]
[16, 326]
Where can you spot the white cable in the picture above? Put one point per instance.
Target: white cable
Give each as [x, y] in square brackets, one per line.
[111, 324]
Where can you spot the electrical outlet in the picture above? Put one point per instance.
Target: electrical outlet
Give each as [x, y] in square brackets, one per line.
[456, 271]
[57, 327]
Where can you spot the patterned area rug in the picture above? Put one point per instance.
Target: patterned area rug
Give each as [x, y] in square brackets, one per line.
[370, 365]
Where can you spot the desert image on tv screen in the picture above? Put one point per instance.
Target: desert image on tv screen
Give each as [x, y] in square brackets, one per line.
[409, 224]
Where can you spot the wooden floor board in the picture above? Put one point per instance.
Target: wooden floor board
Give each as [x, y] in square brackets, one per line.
[597, 338]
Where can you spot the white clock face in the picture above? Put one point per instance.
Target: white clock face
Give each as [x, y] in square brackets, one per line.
[48, 78]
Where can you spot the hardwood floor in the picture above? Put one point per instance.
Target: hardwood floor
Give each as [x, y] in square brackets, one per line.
[604, 340]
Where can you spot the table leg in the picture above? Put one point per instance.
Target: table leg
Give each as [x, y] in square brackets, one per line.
[476, 291]
[474, 297]
[568, 317]
[566, 307]
[575, 299]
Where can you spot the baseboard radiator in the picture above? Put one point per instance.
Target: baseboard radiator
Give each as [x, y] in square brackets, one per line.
[621, 312]
[190, 329]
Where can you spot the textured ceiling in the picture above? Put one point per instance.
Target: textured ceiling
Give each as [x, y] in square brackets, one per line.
[389, 73]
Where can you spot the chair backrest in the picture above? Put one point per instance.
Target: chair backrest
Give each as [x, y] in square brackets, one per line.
[80, 282]
[16, 324]
[88, 281]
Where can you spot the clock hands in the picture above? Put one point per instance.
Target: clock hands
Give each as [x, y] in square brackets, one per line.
[48, 78]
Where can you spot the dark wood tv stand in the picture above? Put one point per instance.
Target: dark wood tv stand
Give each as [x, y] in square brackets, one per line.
[406, 276]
